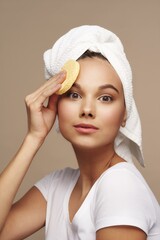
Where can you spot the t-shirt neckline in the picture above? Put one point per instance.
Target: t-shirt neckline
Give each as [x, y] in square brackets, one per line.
[74, 180]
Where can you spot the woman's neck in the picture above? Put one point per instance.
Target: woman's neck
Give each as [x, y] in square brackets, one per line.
[93, 162]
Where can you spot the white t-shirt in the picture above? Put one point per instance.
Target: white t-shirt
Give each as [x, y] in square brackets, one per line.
[119, 197]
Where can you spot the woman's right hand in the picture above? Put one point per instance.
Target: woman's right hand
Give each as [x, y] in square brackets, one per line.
[41, 118]
[40, 122]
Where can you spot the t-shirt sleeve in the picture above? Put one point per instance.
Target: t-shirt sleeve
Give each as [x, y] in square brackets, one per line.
[44, 184]
[122, 199]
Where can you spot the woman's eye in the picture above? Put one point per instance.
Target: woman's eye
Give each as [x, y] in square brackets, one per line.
[74, 95]
[106, 98]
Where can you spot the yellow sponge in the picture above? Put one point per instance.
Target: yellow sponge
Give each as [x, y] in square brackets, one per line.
[72, 68]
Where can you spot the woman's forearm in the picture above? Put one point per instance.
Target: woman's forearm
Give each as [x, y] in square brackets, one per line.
[40, 122]
[13, 174]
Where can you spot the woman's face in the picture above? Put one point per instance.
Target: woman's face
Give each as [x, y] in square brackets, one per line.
[92, 111]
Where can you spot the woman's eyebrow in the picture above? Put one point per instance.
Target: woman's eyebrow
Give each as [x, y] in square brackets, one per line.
[108, 86]
[100, 87]
[76, 85]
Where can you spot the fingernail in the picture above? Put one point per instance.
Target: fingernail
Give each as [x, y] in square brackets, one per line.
[62, 73]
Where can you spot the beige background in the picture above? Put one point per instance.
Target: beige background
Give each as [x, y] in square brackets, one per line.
[29, 27]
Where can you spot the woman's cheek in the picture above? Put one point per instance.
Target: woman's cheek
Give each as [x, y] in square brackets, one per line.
[66, 116]
[114, 114]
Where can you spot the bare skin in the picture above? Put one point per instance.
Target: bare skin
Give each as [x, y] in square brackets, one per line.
[26, 216]
[40, 121]
[90, 170]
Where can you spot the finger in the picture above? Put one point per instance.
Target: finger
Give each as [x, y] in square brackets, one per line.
[38, 103]
[52, 83]
[56, 79]
[52, 103]
[51, 88]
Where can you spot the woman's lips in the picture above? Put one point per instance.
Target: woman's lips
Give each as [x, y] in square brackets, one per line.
[85, 128]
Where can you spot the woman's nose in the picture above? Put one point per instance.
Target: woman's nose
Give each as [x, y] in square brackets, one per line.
[87, 109]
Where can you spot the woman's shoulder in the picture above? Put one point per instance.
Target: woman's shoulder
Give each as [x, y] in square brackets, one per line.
[123, 171]
[65, 174]
[123, 197]
[55, 179]
[62, 174]
[125, 181]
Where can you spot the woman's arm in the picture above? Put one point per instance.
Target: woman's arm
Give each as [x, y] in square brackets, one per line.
[25, 217]
[12, 176]
[121, 233]
[40, 122]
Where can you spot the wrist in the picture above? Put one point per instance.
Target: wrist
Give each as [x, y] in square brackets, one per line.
[34, 141]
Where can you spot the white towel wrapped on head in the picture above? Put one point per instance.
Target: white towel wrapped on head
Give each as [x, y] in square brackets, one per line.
[98, 39]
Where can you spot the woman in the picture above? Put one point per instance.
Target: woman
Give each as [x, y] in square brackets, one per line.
[106, 197]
